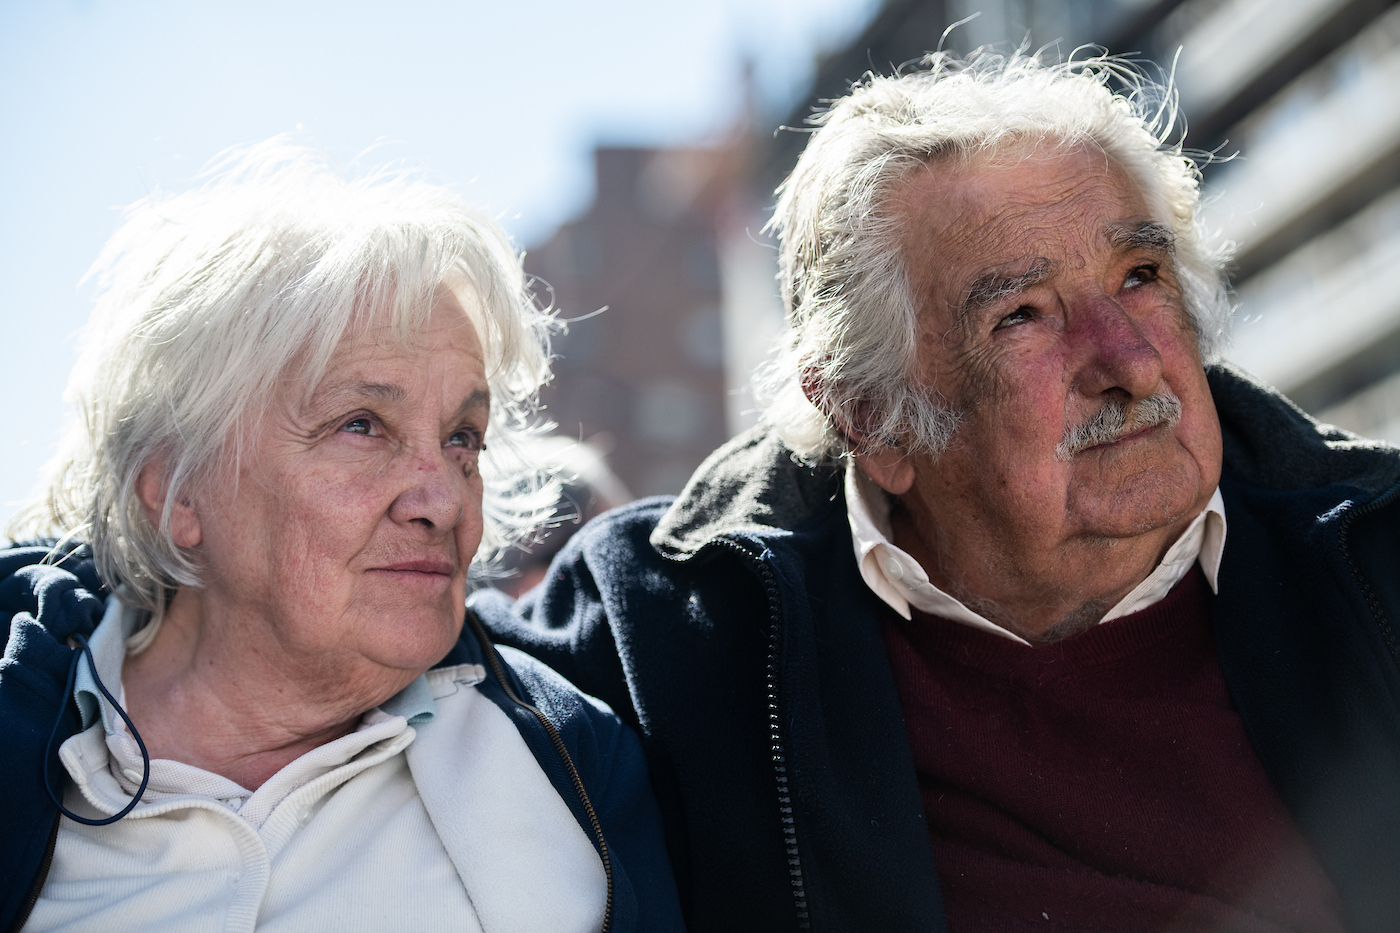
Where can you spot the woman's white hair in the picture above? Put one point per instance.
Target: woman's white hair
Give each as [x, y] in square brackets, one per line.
[853, 323]
[211, 298]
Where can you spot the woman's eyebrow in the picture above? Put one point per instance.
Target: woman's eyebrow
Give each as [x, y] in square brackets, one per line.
[328, 394]
[481, 398]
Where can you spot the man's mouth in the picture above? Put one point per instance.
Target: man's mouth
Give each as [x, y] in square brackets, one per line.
[1127, 437]
[1119, 421]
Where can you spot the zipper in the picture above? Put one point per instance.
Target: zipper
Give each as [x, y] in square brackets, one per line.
[1378, 613]
[775, 727]
[498, 669]
[22, 917]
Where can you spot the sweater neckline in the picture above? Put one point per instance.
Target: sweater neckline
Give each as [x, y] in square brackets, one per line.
[1180, 615]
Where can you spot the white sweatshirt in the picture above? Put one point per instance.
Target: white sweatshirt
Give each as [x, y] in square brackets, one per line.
[446, 824]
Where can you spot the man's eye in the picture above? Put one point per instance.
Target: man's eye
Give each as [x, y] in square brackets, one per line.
[467, 439]
[1020, 316]
[358, 426]
[1142, 275]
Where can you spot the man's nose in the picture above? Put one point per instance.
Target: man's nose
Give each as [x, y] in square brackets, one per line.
[1117, 354]
[432, 492]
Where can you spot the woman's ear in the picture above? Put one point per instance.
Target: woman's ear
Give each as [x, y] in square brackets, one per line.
[184, 521]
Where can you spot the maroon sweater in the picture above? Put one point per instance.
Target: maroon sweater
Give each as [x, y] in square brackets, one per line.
[1104, 782]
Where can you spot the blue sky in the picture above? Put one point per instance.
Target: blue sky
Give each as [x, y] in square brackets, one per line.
[100, 101]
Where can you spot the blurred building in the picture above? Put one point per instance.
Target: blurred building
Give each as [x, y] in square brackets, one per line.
[1305, 91]
[640, 370]
[1314, 106]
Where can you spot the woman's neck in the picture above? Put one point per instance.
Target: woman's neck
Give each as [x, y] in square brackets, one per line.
[218, 691]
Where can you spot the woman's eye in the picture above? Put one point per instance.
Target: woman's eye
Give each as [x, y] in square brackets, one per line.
[358, 426]
[467, 439]
[1142, 275]
[1020, 316]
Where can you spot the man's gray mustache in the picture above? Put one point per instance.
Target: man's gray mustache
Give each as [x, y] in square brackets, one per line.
[1117, 419]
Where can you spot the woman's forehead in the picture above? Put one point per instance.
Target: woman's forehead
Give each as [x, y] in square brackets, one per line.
[379, 357]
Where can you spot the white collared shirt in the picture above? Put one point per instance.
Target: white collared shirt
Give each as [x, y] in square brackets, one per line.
[900, 582]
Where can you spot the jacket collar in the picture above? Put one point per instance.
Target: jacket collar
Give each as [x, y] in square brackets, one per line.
[1270, 442]
[755, 486]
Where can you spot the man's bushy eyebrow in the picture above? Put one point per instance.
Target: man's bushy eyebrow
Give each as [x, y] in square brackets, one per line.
[1146, 235]
[339, 393]
[991, 287]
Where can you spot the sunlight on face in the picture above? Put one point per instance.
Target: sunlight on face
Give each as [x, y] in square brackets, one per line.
[1049, 292]
[357, 509]
[1052, 322]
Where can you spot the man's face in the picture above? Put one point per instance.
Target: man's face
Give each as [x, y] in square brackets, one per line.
[1047, 293]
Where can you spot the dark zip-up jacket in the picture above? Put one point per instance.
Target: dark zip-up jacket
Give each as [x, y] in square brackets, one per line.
[732, 628]
[592, 760]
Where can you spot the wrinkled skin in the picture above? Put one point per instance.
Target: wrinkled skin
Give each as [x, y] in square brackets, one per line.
[335, 557]
[1044, 291]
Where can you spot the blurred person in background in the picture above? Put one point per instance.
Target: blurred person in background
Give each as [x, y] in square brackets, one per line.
[958, 637]
[588, 488]
[238, 692]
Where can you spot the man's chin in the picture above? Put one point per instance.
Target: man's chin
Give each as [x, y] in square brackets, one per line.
[1110, 524]
[1139, 503]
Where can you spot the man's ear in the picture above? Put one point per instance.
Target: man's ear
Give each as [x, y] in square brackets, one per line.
[151, 490]
[885, 463]
[889, 466]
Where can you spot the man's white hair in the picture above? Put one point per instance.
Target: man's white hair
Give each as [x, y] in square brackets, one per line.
[853, 323]
[212, 298]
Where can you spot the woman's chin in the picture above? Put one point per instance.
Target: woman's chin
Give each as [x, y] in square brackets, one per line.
[414, 641]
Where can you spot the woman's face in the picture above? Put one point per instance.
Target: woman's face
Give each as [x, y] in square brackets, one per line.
[357, 509]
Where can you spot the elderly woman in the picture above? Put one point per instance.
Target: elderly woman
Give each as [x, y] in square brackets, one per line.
[249, 700]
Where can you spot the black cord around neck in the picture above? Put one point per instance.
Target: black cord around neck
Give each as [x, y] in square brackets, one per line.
[78, 653]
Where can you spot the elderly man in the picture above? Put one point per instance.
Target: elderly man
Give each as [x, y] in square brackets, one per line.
[958, 639]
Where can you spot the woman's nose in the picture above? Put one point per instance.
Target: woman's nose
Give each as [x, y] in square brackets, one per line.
[433, 491]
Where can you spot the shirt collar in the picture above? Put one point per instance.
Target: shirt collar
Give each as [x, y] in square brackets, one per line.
[108, 647]
[414, 702]
[901, 582]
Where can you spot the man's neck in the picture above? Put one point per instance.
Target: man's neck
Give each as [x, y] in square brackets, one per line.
[1040, 595]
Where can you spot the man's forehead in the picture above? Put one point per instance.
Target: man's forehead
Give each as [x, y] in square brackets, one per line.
[974, 231]
[997, 201]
